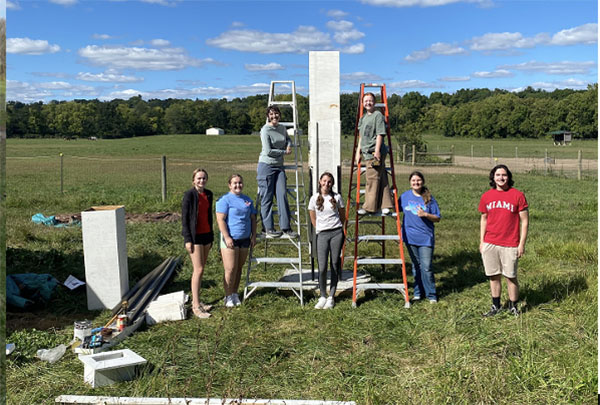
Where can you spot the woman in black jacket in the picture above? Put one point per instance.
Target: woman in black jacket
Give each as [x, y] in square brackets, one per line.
[197, 221]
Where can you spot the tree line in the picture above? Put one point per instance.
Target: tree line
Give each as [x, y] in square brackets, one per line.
[479, 113]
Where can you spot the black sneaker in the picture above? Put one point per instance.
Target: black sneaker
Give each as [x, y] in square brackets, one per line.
[272, 233]
[514, 311]
[494, 310]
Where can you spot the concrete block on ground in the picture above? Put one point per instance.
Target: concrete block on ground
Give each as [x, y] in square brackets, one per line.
[105, 255]
[167, 307]
[110, 367]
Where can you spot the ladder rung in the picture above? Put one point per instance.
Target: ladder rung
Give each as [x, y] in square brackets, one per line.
[276, 260]
[378, 260]
[291, 167]
[287, 124]
[281, 103]
[377, 237]
[380, 105]
[380, 286]
[275, 284]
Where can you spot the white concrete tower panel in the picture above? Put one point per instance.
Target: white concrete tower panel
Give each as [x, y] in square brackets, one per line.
[324, 127]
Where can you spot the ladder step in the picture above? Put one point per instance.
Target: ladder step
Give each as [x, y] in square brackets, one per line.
[275, 284]
[364, 169]
[380, 286]
[276, 260]
[281, 103]
[291, 167]
[287, 124]
[379, 105]
[377, 237]
[373, 260]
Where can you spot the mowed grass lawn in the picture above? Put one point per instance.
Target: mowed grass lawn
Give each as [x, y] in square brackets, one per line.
[271, 347]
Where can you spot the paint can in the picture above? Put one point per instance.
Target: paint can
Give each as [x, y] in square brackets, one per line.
[82, 329]
[121, 322]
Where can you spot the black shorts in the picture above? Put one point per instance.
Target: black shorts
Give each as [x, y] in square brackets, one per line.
[204, 238]
[237, 243]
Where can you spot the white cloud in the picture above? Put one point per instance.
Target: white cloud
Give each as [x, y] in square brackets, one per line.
[584, 34]
[413, 84]
[45, 91]
[101, 36]
[336, 14]
[354, 49]
[167, 3]
[344, 31]
[439, 48]
[160, 42]
[304, 39]
[554, 68]
[108, 76]
[506, 40]
[455, 79]
[257, 67]
[136, 58]
[421, 3]
[564, 84]
[360, 77]
[12, 5]
[237, 24]
[64, 2]
[494, 74]
[30, 46]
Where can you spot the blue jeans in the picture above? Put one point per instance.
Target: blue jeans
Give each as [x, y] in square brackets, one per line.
[272, 182]
[422, 272]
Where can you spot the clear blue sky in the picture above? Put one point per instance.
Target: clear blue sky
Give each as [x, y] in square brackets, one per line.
[67, 49]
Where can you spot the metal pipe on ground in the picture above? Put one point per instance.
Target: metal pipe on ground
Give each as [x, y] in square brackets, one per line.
[153, 290]
[127, 297]
[132, 302]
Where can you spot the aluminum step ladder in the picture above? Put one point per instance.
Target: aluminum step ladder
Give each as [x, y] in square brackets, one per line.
[369, 221]
[300, 247]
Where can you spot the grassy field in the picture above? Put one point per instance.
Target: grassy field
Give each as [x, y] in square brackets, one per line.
[271, 347]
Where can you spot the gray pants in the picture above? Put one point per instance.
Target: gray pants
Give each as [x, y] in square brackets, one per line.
[329, 243]
[272, 182]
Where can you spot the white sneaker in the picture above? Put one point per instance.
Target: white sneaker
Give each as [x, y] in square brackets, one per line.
[321, 303]
[236, 299]
[329, 304]
[385, 211]
[229, 302]
[362, 211]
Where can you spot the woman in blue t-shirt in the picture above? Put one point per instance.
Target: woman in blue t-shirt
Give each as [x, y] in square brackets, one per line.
[420, 212]
[236, 217]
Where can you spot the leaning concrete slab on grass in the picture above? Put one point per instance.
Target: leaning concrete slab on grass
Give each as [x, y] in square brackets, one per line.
[110, 367]
[105, 255]
[167, 307]
[83, 399]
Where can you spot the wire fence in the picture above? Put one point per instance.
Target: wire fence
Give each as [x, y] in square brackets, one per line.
[167, 177]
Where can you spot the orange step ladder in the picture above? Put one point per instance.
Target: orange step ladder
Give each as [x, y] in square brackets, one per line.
[378, 218]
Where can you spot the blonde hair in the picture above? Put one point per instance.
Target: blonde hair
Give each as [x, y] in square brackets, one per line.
[198, 170]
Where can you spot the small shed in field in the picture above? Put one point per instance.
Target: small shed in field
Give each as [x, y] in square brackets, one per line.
[562, 137]
[215, 131]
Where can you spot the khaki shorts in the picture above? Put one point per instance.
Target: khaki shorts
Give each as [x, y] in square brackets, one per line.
[500, 260]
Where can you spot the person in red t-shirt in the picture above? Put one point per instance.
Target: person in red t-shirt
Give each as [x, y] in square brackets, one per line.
[197, 231]
[503, 233]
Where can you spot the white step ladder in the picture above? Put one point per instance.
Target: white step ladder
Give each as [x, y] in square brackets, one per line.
[299, 247]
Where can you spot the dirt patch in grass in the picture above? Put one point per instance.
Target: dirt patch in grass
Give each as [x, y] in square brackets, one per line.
[131, 218]
[40, 320]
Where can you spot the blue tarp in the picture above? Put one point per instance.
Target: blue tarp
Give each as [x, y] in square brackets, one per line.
[23, 290]
[51, 221]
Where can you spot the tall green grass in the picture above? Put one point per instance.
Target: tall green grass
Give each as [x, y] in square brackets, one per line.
[271, 347]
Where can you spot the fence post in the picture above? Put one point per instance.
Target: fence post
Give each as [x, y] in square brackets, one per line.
[164, 177]
[452, 154]
[492, 150]
[414, 154]
[61, 172]
[545, 162]
[579, 164]
[404, 152]
[471, 154]
[516, 157]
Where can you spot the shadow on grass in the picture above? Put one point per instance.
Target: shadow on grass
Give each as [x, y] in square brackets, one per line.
[459, 271]
[553, 290]
[65, 306]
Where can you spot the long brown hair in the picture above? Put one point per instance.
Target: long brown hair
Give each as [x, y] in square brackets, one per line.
[320, 199]
[424, 191]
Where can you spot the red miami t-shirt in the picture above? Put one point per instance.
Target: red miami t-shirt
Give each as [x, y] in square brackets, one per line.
[502, 209]
[202, 225]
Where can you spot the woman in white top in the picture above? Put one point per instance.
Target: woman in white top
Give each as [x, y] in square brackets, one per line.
[327, 215]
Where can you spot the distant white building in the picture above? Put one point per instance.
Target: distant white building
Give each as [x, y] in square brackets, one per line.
[215, 131]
